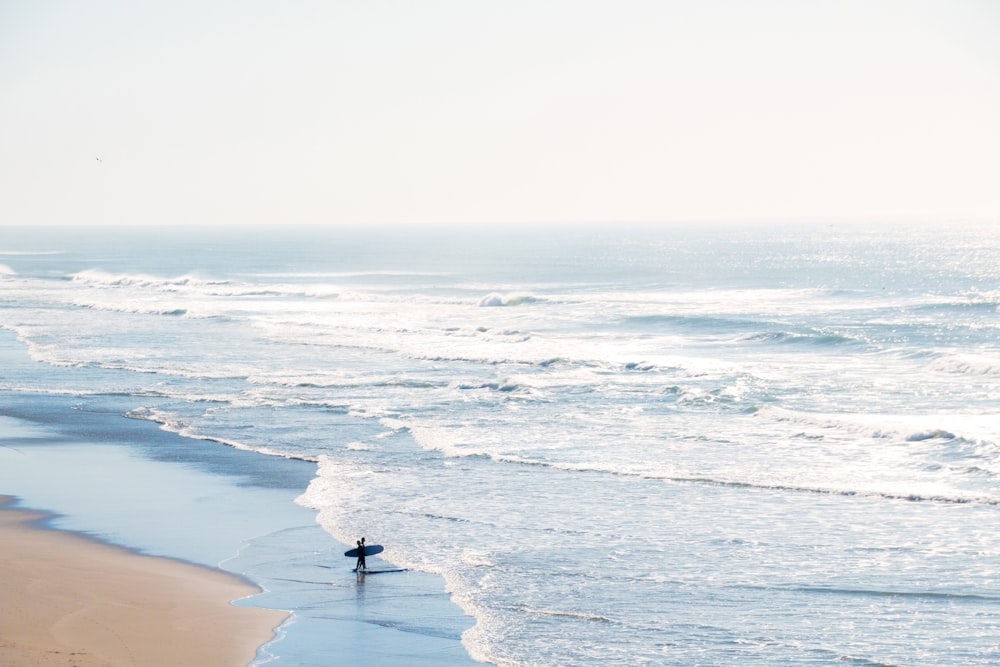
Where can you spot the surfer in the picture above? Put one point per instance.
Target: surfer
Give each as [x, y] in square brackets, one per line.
[361, 556]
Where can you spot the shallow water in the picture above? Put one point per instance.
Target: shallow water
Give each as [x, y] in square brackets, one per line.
[756, 445]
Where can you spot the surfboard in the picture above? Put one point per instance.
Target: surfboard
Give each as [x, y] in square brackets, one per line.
[370, 550]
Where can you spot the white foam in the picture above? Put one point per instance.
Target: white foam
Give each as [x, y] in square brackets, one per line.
[967, 364]
[476, 558]
[338, 494]
[441, 440]
[358, 446]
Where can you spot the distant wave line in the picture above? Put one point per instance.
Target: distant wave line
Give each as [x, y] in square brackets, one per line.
[932, 595]
[708, 481]
[187, 432]
[911, 497]
[583, 616]
[31, 253]
[348, 274]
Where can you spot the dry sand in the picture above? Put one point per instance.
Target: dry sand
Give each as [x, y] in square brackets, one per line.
[68, 600]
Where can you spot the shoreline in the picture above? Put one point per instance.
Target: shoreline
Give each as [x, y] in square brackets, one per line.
[69, 599]
[100, 477]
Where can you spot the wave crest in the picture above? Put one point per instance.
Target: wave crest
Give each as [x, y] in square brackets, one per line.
[966, 364]
[496, 300]
[101, 278]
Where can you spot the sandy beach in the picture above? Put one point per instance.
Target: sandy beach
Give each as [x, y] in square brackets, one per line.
[69, 600]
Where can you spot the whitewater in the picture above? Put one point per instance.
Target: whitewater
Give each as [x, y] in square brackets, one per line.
[746, 444]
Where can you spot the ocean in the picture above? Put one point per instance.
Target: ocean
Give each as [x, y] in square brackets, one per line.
[717, 445]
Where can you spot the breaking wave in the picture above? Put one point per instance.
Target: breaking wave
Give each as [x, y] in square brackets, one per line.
[496, 300]
[99, 278]
[967, 364]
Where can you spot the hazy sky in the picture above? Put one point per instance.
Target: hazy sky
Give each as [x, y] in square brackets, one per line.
[362, 111]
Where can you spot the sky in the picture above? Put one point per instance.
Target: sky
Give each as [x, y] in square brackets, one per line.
[506, 111]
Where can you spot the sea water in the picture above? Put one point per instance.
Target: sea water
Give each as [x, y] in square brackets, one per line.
[748, 445]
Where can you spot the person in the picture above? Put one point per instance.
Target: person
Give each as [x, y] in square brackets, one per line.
[361, 556]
